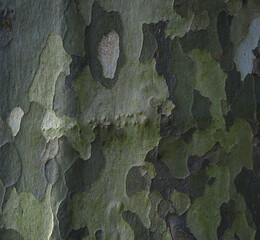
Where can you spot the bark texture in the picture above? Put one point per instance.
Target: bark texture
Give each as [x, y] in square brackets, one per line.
[130, 120]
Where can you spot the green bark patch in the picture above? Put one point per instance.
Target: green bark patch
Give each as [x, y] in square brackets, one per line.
[183, 91]
[29, 224]
[53, 60]
[64, 102]
[158, 225]
[139, 230]
[7, 234]
[54, 127]
[132, 94]
[201, 20]
[82, 174]
[74, 37]
[5, 133]
[174, 153]
[200, 111]
[149, 45]
[203, 216]
[30, 144]
[65, 157]
[2, 194]
[51, 171]
[195, 40]
[223, 27]
[109, 191]
[183, 8]
[244, 106]
[241, 228]
[136, 181]
[181, 202]
[10, 165]
[210, 82]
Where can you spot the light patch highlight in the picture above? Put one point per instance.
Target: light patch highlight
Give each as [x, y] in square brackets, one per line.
[53, 61]
[108, 54]
[14, 120]
[32, 218]
[244, 55]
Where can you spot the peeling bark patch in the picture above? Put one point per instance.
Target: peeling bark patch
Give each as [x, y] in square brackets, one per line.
[256, 66]
[14, 119]
[34, 218]
[233, 85]
[223, 27]
[244, 105]
[248, 184]
[244, 55]
[99, 235]
[79, 234]
[103, 45]
[5, 133]
[181, 202]
[173, 152]
[195, 39]
[183, 7]
[149, 45]
[83, 174]
[51, 171]
[135, 182]
[10, 165]
[58, 60]
[178, 227]
[132, 219]
[108, 53]
[228, 212]
[200, 111]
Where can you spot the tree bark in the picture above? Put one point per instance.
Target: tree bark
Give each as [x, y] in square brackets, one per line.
[130, 119]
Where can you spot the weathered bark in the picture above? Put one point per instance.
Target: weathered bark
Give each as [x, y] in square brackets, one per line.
[130, 119]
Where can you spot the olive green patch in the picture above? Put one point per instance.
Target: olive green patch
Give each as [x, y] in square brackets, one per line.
[174, 153]
[33, 218]
[53, 60]
[181, 201]
[203, 216]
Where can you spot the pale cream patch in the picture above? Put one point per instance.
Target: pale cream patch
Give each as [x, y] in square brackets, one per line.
[14, 119]
[108, 54]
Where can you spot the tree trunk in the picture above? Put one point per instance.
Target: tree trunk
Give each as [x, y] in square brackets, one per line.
[130, 119]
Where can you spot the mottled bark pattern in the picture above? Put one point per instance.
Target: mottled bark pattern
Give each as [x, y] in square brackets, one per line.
[132, 120]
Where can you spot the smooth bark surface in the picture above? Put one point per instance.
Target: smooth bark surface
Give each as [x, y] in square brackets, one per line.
[131, 119]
